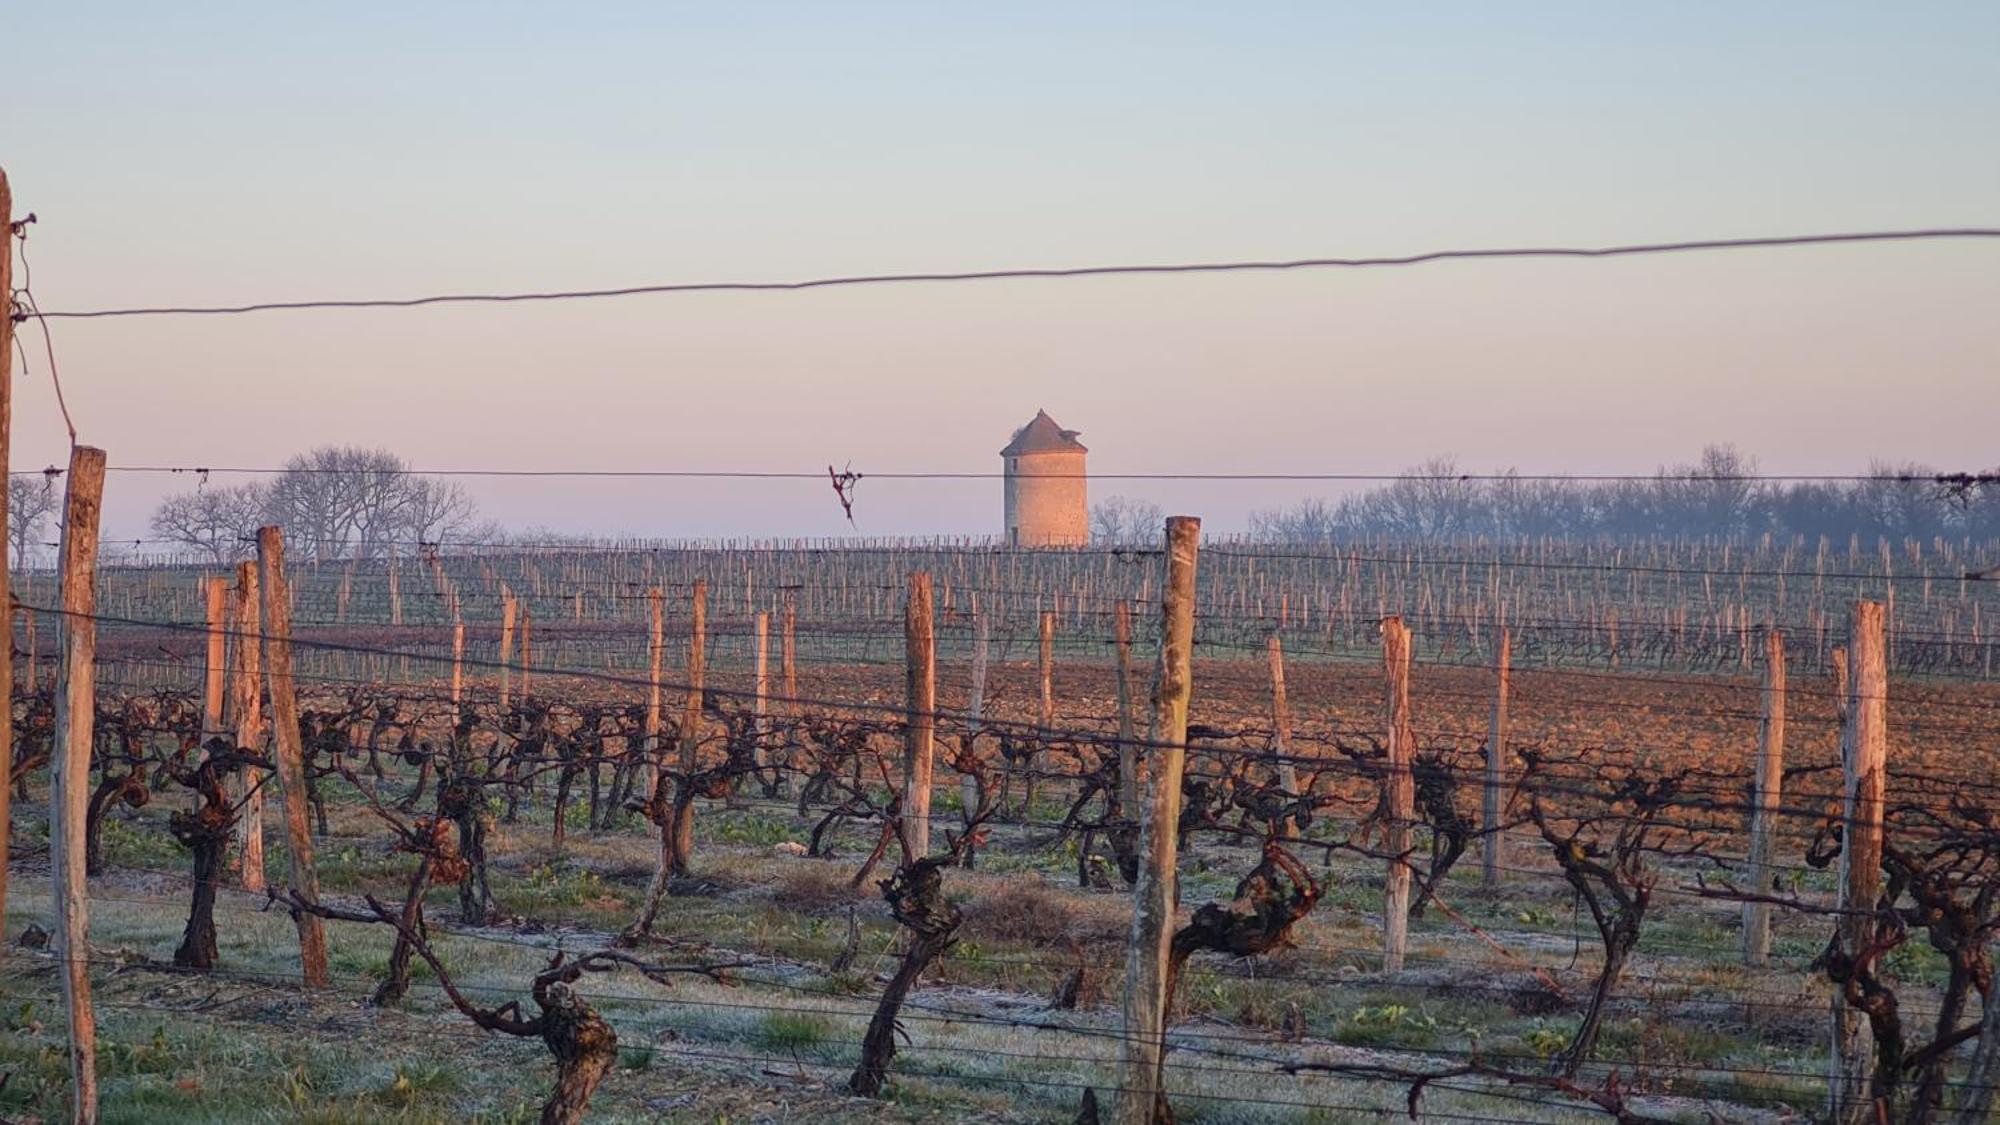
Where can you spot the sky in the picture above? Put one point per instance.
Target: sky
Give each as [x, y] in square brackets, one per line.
[224, 153]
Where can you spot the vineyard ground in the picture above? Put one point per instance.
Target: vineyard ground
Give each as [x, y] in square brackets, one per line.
[1710, 1036]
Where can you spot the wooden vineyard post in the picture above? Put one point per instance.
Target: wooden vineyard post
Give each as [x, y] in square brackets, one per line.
[697, 666]
[786, 667]
[6, 576]
[1281, 725]
[508, 610]
[656, 645]
[69, 773]
[1864, 741]
[215, 598]
[761, 709]
[1764, 804]
[395, 594]
[527, 632]
[1145, 1001]
[28, 616]
[457, 666]
[1128, 750]
[975, 712]
[920, 714]
[290, 750]
[1494, 845]
[1401, 795]
[246, 675]
[1045, 714]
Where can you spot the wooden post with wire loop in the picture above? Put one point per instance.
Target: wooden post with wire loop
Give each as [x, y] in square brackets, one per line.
[1145, 1007]
[288, 739]
[69, 773]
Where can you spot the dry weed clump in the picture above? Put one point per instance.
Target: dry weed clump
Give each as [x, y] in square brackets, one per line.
[1027, 911]
[817, 889]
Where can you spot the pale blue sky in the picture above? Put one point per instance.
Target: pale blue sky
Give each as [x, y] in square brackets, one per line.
[221, 153]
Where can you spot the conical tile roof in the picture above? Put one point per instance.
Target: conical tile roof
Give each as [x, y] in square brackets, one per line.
[1043, 435]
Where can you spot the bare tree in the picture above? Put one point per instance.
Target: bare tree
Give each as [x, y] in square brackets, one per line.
[30, 501]
[1434, 500]
[334, 502]
[1310, 521]
[1121, 519]
[437, 509]
[219, 522]
[341, 501]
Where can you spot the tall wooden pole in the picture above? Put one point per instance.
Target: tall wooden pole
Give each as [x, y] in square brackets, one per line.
[1128, 750]
[69, 775]
[691, 708]
[1281, 724]
[968, 784]
[215, 597]
[1864, 751]
[6, 563]
[1400, 790]
[762, 708]
[1770, 783]
[1158, 892]
[457, 666]
[508, 609]
[247, 688]
[527, 629]
[1494, 849]
[1046, 714]
[920, 713]
[785, 654]
[291, 750]
[656, 647]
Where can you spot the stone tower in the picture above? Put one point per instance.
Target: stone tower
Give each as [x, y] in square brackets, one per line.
[1047, 503]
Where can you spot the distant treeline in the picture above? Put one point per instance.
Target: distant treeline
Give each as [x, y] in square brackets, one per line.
[1718, 495]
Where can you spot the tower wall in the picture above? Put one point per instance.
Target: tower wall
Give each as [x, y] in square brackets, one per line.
[1047, 500]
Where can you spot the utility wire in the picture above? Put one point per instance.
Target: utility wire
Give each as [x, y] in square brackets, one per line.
[1248, 266]
[1957, 479]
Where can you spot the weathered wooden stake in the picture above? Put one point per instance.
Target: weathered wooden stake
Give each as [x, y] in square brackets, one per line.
[656, 647]
[1158, 891]
[1494, 849]
[920, 713]
[785, 657]
[247, 695]
[215, 596]
[6, 574]
[1864, 742]
[508, 610]
[1046, 715]
[762, 707]
[968, 784]
[1281, 725]
[69, 773]
[457, 666]
[527, 629]
[1128, 751]
[691, 707]
[291, 750]
[1770, 783]
[1401, 795]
